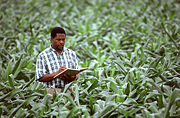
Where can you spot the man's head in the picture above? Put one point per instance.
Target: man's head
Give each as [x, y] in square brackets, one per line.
[58, 36]
[56, 30]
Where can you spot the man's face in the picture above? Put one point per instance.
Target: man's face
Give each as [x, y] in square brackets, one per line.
[58, 41]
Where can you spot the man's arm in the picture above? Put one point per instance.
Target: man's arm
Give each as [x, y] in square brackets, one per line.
[48, 77]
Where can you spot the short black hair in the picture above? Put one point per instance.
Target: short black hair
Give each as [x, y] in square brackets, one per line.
[56, 30]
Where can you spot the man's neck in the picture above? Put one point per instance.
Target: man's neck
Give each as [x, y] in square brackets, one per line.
[59, 51]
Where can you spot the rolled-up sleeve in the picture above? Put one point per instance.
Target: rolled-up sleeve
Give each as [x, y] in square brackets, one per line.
[40, 68]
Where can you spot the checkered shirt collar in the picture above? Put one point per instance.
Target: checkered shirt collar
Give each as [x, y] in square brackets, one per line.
[52, 49]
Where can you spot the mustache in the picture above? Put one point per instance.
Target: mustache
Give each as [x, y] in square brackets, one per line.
[61, 45]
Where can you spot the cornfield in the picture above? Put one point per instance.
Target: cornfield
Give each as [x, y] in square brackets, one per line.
[131, 49]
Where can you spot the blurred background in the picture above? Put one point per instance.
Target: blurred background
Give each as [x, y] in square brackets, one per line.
[131, 48]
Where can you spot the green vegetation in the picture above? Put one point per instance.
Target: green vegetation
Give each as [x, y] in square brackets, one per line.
[132, 49]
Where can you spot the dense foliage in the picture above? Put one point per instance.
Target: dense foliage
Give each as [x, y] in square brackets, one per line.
[132, 49]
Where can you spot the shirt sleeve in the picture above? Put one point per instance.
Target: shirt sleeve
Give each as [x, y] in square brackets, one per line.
[40, 68]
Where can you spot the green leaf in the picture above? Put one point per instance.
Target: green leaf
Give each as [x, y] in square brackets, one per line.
[15, 110]
[7, 73]
[114, 87]
[172, 99]
[91, 103]
[10, 94]
[93, 85]
[17, 65]
[104, 111]
[70, 99]
[28, 83]
[77, 95]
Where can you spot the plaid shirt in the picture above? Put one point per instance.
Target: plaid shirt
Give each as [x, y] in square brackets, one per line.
[49, 61]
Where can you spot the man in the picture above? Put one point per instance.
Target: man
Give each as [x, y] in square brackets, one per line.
[54, 60]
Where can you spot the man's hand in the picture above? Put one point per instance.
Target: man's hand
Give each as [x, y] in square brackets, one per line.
[67, 77]
[62, 68]
[70, 78]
